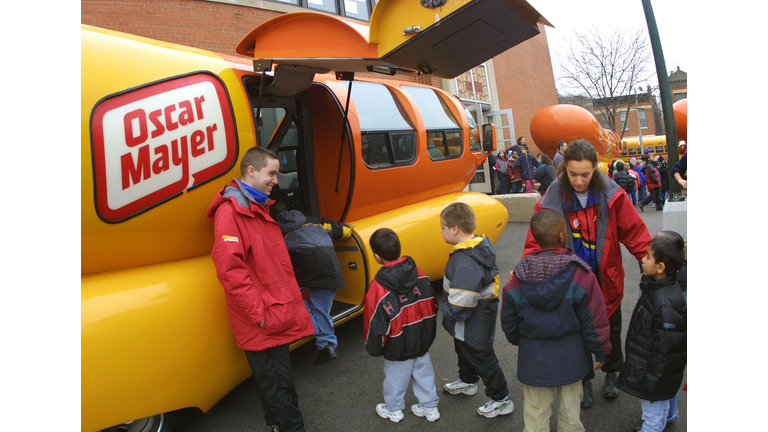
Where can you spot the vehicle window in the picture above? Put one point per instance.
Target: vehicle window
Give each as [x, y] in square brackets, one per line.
[405, 148]
[377, 108]
[443, 145]
[474, 141]
[388, 138]
[271, 119]
[443, 131]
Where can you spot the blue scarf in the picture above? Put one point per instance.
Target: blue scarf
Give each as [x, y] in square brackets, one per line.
[253, 194]
[583, 249]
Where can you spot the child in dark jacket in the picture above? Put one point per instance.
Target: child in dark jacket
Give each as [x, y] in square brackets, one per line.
[400, 323]
[656, 338]
[554, 311]
[310, 244]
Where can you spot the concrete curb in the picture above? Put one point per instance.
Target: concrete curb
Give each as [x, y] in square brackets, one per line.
[519, 206]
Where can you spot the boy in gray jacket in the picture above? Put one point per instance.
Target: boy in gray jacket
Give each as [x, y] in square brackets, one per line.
[470, 305]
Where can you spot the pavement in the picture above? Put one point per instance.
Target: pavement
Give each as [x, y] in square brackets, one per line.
[342, 395]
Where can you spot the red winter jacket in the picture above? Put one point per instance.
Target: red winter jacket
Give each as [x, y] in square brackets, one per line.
[254, 267]
[623, 226]
[652, 181]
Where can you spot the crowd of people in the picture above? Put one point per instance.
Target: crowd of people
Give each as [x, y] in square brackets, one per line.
[644, 179]
[517, 170]
[561, 304]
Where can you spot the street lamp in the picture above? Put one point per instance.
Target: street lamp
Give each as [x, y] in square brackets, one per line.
[639, 127]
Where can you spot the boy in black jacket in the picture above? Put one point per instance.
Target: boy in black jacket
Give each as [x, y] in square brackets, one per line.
[400, 323]
[656, 338]
[310, 244]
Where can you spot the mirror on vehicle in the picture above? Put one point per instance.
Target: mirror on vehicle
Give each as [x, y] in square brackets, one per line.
[489, 137]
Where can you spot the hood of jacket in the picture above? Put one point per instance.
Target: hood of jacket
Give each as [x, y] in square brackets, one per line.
[242, 200]
[290, 220]
[399, 276]
[545, 276]
[480, 249]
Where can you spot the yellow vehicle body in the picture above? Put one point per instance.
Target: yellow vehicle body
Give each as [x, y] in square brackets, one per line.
[155, 334]
[631, 146]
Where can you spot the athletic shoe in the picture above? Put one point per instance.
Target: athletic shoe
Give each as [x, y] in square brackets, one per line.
[325, 355]
[394, 416]
[494, 408]
[610, 390]
[460, 386]
[586, 401]
[273, 428]
[432, 414]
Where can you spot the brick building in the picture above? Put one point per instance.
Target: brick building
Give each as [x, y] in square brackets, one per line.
[678, 84]
[515, 84]
[645, 110]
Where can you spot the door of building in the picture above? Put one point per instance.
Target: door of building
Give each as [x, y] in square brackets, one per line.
[484, 180]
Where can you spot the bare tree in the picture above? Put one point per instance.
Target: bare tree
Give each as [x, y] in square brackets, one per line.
[607, 66]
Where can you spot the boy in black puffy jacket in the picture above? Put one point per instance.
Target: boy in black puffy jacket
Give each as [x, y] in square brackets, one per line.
[310, 244]
[656, 352]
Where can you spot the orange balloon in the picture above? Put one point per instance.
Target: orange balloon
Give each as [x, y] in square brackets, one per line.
[681, 119]
[568, 123]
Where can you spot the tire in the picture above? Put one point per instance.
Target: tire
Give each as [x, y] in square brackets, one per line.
[167, 422]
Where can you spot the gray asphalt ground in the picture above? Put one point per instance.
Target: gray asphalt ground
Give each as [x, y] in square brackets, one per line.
[341, 395]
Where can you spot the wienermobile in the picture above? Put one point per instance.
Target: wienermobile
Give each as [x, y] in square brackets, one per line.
[163, 127]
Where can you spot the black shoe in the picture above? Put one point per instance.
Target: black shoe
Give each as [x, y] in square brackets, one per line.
[610, 390]
[641, 207]
[325, 355]
[586, 401]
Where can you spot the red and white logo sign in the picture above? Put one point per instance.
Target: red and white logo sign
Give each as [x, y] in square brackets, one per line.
[152, 143]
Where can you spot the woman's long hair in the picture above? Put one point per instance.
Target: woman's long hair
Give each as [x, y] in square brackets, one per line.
[577, 151]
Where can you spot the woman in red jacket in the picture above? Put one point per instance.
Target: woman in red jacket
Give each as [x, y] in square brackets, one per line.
[600, 217]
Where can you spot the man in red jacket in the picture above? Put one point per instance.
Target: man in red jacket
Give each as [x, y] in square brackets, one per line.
[265, 306]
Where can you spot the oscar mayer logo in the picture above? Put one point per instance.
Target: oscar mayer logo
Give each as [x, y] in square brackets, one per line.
[152, 143]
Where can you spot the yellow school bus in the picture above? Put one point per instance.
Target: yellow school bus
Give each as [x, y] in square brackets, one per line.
[632, 149]
[163, 128]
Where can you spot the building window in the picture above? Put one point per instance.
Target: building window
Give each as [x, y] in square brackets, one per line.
[358, 9]
[472, 86]
[680, 96]
[623, 120]
[641, 119]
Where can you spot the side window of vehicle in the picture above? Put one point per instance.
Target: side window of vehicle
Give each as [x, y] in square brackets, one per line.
[388, 137]
[444, 140]
[277, 125]
[474, 141]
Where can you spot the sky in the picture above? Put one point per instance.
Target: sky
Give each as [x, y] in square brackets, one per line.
[568, 16]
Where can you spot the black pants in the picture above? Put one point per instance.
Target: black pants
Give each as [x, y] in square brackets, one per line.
[654, 194]
[273, 372]
[616, 358]
[476, 364]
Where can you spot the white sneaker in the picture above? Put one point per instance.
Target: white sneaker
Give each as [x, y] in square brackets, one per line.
[460, 386]
[394, 416]
[432, 414]
[494, 408]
